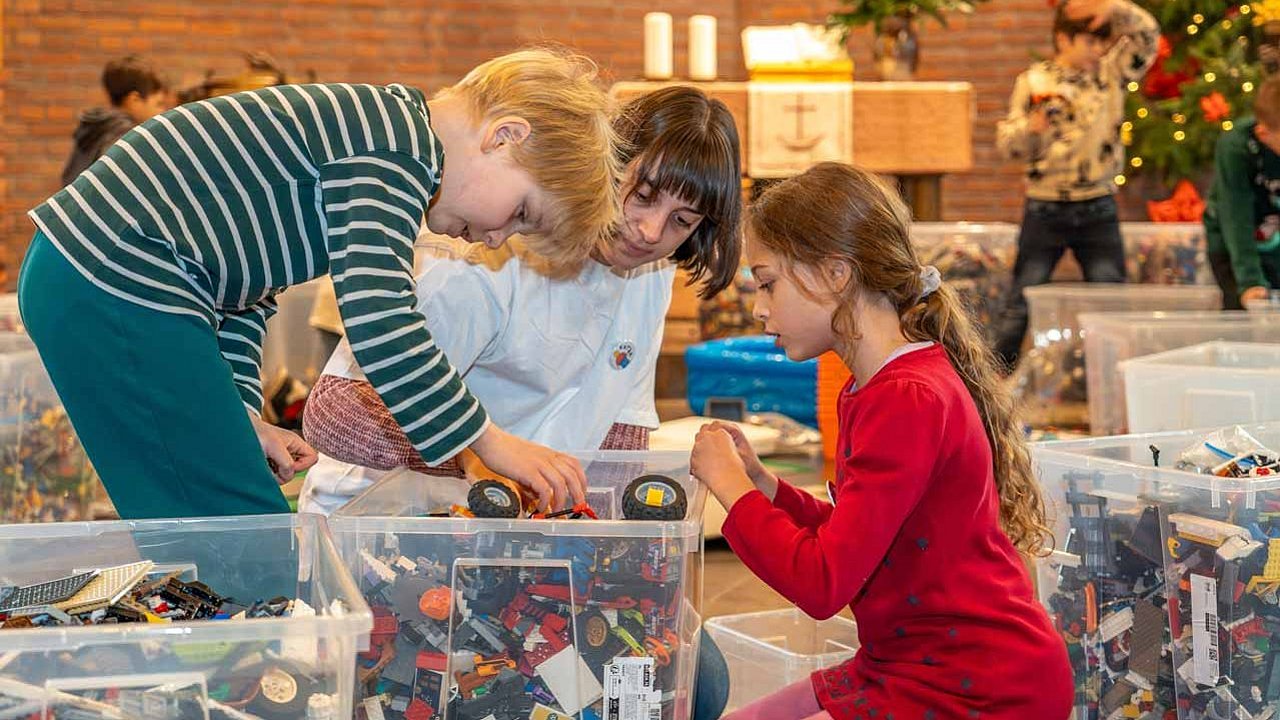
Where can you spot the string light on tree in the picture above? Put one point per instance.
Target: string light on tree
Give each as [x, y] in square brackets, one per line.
[1120, 180]
[1204, 76]
[1133, 87]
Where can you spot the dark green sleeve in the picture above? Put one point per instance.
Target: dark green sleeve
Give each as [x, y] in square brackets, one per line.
[1233, 174]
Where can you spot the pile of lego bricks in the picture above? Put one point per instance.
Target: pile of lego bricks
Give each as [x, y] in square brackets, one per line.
[247, 681]
[516, 626]
[1051, 386]
[1223, 560]
[1110, 607]
[980, 274]
[1180, 556]
[1165, 259]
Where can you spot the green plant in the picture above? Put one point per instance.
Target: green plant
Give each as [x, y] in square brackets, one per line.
[856, 13]
[1202, 83]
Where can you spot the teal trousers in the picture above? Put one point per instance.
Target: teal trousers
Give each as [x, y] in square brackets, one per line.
[149, 395]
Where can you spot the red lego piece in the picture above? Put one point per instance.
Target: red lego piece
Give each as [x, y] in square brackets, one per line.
[438, 662]
[419, 710]
[1253, 628]
[385, 624]
[557, 641]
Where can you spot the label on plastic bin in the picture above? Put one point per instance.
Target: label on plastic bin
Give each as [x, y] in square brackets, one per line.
[1204, 629]
[629, 692]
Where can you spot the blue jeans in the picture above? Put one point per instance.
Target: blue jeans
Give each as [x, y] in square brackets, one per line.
[711, 688]
[1089, 228]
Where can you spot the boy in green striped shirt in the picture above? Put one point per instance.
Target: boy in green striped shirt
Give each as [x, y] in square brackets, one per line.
[150, 278]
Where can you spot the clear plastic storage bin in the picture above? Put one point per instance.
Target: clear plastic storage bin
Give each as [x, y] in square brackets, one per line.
[45, 475]
[1110, 338]
[766, 651]
[1050, 380]
[516, 613]
[1165, 253]
[975, 259]
[1212, 383]
[1158, 557]
[273, 667]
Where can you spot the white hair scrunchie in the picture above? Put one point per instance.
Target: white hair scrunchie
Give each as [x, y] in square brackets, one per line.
[931, 280]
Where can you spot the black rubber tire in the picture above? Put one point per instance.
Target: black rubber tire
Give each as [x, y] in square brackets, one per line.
[493, 499]
[593, 631]
[674, 503]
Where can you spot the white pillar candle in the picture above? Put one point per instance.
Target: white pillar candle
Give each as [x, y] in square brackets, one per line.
[657, 46]
[702, 47]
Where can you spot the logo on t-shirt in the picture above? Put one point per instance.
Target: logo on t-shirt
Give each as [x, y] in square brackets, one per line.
[621, 356]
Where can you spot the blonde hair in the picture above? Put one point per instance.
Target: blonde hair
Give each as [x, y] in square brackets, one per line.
[840, 212]
[572, 149]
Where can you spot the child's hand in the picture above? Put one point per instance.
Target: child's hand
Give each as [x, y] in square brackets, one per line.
[287, 454]
[1254, 293]
[1038, 121]
[553, 477]
[716, 462]
[1099, 10]
[760, 477]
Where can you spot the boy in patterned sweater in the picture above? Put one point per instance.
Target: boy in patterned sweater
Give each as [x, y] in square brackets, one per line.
[1064, 123]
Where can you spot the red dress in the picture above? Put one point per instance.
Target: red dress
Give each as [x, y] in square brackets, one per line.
[946, 615]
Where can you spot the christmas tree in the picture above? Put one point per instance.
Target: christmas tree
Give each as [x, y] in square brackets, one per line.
[1201, 84]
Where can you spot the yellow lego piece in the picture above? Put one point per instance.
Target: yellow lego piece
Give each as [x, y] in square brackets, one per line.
[653, 497]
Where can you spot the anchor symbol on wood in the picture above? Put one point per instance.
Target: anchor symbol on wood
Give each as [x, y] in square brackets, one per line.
[800, 142]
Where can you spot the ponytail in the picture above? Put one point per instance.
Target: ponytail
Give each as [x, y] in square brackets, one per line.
[942, 318]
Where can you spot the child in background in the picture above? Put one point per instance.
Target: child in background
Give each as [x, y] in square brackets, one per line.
[136, 93]
[147, 287]
[1242, 216]
[1064, 123]
[934, 493]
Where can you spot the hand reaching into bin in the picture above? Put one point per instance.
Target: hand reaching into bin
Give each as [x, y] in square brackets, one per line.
[287, 453]
[553, 477]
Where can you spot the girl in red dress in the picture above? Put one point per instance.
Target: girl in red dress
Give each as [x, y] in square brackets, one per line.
[934, 493]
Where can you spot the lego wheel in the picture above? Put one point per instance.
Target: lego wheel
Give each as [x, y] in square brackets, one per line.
[654, 497]
[282, 693]
[493, 499]
[593, 632]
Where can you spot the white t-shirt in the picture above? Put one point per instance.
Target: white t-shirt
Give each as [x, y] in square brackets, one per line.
[555, 361]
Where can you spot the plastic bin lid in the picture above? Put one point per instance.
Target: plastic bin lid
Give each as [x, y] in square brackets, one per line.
[1109, 454]
[1124, 291]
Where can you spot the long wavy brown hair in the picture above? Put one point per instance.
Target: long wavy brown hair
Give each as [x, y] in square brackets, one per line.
[836, 212]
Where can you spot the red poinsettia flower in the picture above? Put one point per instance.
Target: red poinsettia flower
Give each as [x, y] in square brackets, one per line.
[1160, 84]
[1215, 107]
[1185, 205]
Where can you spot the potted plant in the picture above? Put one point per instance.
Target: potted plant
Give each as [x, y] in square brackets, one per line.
[896, 49]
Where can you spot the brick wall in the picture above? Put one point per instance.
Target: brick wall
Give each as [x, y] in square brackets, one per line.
[53, 52]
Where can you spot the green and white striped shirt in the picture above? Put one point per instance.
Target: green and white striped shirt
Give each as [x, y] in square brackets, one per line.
[212, 208]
